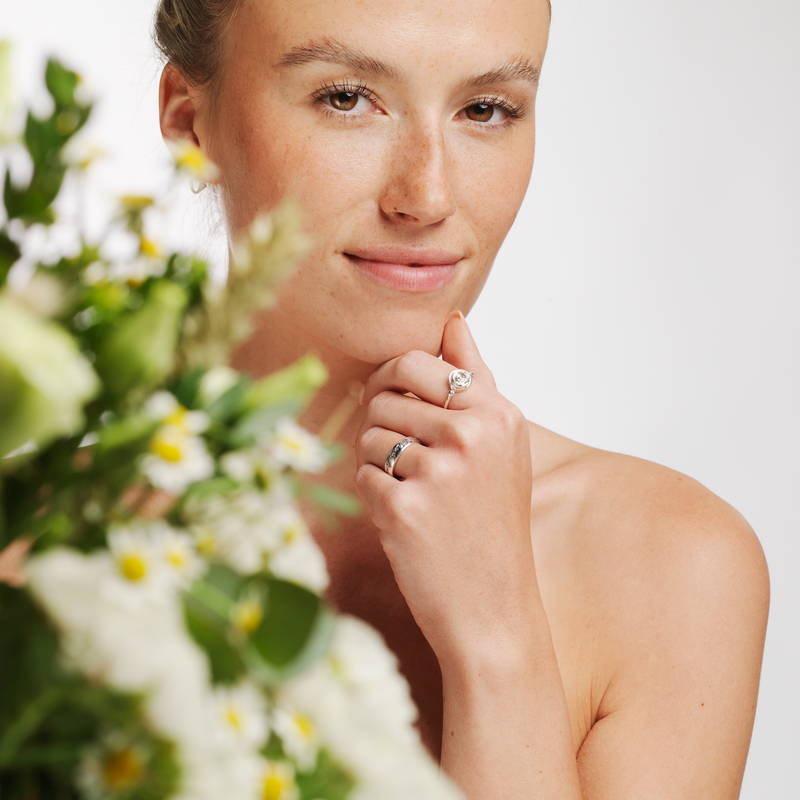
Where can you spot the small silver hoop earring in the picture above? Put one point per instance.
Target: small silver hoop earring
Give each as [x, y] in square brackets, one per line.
[197, 186]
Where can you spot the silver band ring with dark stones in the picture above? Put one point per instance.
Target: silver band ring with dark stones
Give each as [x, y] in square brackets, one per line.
[459, 380]
[394, 454]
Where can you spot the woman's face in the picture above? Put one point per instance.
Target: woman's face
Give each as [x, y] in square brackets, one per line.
[405, 130]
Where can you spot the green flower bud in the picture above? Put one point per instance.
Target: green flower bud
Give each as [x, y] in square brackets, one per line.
[298, 382]
[140, 351]
[44, 380]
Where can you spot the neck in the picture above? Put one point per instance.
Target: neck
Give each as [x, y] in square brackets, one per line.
[334, 412]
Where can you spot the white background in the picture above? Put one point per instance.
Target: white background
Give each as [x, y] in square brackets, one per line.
[647, 298]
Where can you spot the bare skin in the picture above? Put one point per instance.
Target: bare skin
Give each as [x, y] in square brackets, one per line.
[573, 623]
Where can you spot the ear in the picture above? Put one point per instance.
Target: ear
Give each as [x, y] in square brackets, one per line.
[177, 106]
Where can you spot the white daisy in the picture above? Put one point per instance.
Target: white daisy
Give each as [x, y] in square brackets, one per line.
[298, 558]
[240, 527]
[299, 735]
[139, 571]
[240, 716]
[178, 457]
[293, 446]
[277, 781]
[192, 161]
[178, 553]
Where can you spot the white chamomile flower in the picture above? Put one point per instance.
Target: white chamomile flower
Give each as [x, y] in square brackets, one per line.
[277, 781]
[240, 526]
[298, 558]
[299, 735]
[178, 456]
[114, 766]
[240, 716]
[165, 407]
[139, 570]
[293, 446]
[216, 382]
[179, 554]
[238, 465]
[192, 161]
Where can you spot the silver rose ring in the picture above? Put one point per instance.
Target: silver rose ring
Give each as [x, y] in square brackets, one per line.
[459, 380]
[394, 454]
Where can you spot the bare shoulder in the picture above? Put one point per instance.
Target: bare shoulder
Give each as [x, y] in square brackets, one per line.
[659, 590]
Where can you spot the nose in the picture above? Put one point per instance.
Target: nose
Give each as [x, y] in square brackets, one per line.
[417, 191]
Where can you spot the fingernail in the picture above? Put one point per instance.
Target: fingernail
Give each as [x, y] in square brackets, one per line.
[361, 394]
[464, 319]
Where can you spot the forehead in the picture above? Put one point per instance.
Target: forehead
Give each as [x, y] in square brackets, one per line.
[427, 34]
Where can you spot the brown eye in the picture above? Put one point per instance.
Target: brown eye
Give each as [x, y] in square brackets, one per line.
[343, 101]
[480, 112]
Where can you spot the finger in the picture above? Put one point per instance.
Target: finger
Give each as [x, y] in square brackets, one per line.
[375, 446]
[460, 350]
[407, 415]
[426, 377]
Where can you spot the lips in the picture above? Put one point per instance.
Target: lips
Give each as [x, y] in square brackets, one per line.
[405, 269]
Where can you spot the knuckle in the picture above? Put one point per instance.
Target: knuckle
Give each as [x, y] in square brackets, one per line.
[381, 401]
[467, 433]
[408, 364]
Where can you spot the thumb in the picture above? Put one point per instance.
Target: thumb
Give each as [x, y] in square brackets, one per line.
[460, 350]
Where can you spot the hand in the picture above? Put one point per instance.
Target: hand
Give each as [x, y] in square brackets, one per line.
[456, 526]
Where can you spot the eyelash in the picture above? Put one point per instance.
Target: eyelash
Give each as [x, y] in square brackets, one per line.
[330, 89]
[515, 111]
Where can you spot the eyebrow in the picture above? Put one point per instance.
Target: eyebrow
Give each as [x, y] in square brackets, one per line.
[333, 52]
[520, 69]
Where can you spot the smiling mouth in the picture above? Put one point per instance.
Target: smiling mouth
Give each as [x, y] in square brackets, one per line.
[404, 270]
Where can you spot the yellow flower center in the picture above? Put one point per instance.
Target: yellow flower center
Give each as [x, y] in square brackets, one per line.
[273, 787]
[177, 417]
[247, 615]
[233, 717]
[291, 534]
[122, 769]
[167, 443]
[133, 567]
[177, 557]
[149, 248]
[296, 445]
[206, 542]
[304, 725]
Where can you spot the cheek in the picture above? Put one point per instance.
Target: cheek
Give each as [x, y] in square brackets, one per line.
[328, 172]
[492, 180]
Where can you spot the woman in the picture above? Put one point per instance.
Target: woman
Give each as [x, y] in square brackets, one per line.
[573, 623]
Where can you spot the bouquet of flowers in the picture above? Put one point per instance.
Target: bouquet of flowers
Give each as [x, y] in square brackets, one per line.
[166, 635]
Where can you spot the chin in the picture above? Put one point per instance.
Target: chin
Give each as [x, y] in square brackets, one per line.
[378, 343]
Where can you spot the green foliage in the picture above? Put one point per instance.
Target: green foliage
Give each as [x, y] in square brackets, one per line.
[151, 324]
[327, 780]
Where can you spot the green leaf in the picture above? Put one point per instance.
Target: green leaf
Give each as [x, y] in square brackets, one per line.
[133, 430]
[209, 630]
[334, 500]
[209, 488]
[295, 383]
[61, 83]
[188, 387]
[9, 254]
[261, 422]
[327, 780]
[295, 630]
[229, 403]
